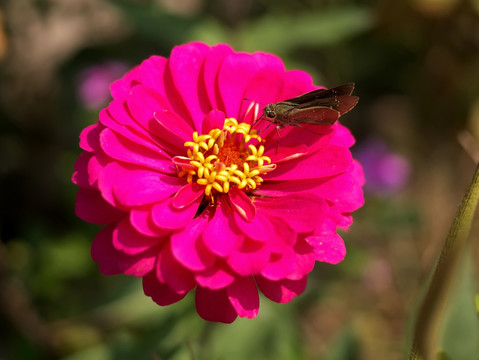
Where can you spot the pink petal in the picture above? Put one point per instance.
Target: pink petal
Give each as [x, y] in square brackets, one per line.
[346, 221]
[128, 240]
[141, 220]
[183, 162]
[327, 161]
[185, 65]
[96, 164]
[262, 88]
[122, 149]
[161, 293]
[265, 60]
[358, 173]
[243, 295]
[221, 235]
[139, 187]
[273, 258]
[284, 188]
[142, 102]
[89, 137]
[259, 229]
[296, 82]
[117, 117]
[301, 211]
[188, 248]
[215, 119]
[236, 73]
[171, 272]
[154, 115]
[112, 261]
[343, 191]
[80, 176]
[91, 207]
[285, 236]
[304, 260]
[212, 64]
[166, 216]
[148, 131]
[329, 248]
[170, 128]
[120, 88]
[234, 76]
[342, 136]
[250, 259]
[242, 204]
[102, 167]
[214, 305]
[294, 142]
[281, 291]
[214, 278]
[152, 71]
[280, 265]
[187, 195]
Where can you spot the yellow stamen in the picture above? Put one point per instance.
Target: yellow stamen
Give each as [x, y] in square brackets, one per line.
[225, 157]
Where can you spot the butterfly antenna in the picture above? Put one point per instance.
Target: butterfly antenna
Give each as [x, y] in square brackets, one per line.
[256, 121]
[263, 129]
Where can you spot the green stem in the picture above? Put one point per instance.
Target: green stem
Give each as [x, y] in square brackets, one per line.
[430, 314]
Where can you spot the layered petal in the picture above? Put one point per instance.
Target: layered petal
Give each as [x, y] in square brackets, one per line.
[188, 246]
[214, 305]
[161, 293]
[329, 160]
[221, 235]
[112, 261]
[281, 291]
[128, 240]
[243, 295]
[91, 207]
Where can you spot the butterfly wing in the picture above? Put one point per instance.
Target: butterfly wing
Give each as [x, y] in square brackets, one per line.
[338, 98]
[318, 115]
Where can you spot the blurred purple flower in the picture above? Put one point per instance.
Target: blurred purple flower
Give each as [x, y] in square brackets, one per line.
[386, 172]
[94, 83]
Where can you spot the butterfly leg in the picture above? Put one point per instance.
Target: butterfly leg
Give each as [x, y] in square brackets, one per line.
[279, 136]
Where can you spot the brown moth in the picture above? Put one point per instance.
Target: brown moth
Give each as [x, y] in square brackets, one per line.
[318, 107]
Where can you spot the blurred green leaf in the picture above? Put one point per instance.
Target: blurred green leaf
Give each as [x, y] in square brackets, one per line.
[283, 33]
[443, 356]
[345, 346]
[99, 352]
[211, 31]
[151, 23]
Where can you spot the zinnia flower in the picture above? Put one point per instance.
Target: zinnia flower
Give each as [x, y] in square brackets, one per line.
[195, 198]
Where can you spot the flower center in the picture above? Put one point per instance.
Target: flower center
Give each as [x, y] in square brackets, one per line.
[226, 157]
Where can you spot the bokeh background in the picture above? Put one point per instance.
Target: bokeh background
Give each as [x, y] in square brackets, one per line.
[416, 68]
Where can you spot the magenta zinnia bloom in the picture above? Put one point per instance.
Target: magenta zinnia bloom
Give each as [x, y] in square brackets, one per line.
[194, 198]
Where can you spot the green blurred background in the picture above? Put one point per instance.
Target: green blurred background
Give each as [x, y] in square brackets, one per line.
[416, 68]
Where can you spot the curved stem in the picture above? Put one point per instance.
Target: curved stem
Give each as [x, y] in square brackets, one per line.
[430, 313]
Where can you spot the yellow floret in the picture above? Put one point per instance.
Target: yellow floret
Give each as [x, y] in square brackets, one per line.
[217, 159]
